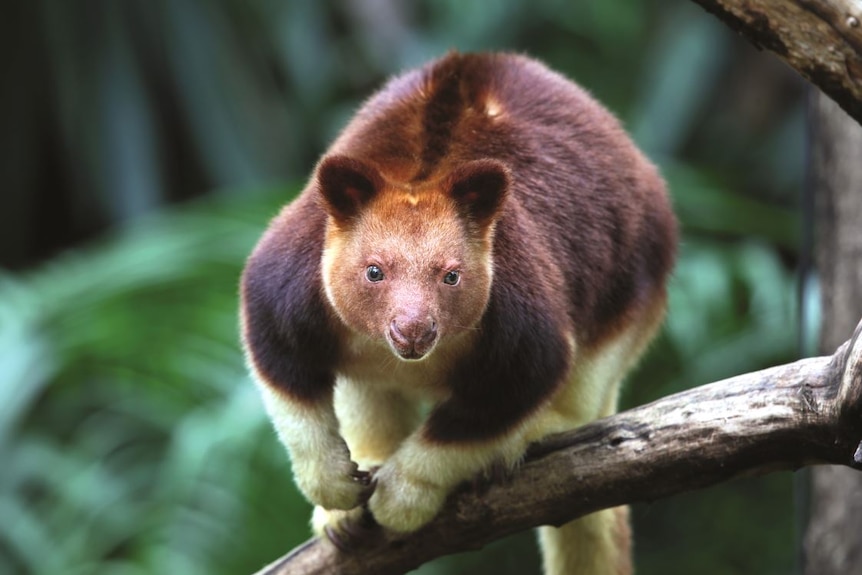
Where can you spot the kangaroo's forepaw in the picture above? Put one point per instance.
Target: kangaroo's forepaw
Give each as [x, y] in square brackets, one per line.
[347, 530]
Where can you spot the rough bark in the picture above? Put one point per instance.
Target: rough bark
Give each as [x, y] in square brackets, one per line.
[832, 542]
[821, 39]
[782, 418]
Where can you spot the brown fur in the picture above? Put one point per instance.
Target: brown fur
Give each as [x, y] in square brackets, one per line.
[559, 232]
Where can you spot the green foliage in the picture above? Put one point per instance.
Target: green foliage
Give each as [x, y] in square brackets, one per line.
[132, 440]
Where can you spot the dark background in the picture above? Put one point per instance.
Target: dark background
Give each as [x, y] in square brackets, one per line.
[143, 147]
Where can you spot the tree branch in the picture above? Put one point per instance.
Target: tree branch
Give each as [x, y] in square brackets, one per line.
[820, 39]
[786, 417]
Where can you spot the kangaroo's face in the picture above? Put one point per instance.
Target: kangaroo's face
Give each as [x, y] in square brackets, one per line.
[409, 266]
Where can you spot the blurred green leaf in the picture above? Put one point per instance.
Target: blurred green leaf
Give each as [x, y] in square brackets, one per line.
[705, 205]
[130, 423]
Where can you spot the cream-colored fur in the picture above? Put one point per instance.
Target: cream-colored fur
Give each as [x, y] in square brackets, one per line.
[374, 421]
[597, 544]
[322, 467]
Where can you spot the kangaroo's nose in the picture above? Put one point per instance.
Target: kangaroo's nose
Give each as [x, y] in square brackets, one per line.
[413, 337]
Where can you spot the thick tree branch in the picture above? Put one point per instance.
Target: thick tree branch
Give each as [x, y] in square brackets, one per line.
[786, 417]
[820, 39]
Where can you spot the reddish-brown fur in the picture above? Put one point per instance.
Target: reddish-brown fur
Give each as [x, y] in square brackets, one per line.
[531, 174]
[590, 209]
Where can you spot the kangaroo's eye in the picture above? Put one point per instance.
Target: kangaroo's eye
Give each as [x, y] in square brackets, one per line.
[373, 274]
[451, 278]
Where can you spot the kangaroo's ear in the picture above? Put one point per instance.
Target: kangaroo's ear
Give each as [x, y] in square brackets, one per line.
[479, 188]
[346, 185]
